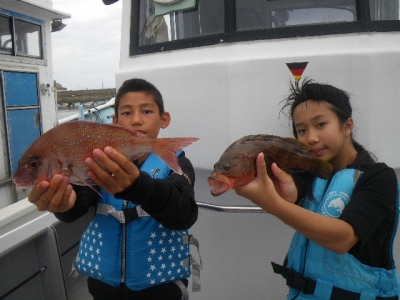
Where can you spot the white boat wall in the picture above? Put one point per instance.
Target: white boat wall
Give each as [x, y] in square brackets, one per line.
[223, 67]
[226, 82]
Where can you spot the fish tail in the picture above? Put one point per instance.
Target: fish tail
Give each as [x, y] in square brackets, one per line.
[320, 168]
[166, 149]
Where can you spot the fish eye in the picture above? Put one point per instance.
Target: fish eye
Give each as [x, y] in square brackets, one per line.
[33, 164]
[227, 167]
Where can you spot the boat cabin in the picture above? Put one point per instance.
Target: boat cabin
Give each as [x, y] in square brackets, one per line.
[26, 82]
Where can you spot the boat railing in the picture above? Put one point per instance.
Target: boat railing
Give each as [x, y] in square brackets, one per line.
[102, 113]
[230, 208]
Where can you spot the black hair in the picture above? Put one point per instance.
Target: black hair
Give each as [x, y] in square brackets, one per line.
[338, 99]
[139, 85]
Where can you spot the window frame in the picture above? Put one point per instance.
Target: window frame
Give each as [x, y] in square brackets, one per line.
[231, 35]
[40, 42]
[14, 55]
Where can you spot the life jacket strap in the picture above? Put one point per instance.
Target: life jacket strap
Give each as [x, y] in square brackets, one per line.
[295, 280]
[196, 267]
[183, 288]
[123, 216]
[307, 285]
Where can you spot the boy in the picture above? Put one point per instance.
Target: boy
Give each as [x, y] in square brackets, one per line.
[137, 245]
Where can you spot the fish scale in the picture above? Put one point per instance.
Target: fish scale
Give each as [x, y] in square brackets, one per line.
[63, 150]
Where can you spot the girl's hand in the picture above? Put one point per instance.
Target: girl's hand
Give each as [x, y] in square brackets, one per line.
[122, 172]
[284, 184]
[54, 196]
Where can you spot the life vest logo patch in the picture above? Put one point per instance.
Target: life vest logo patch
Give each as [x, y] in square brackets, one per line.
[334, 204]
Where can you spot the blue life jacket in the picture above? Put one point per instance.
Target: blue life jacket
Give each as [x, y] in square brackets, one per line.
[328, 270]
[142, 253]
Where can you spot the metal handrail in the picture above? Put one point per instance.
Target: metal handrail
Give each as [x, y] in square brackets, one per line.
[234, 209]
[5, 181]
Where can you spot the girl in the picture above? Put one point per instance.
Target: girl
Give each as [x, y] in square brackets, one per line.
[345, 226]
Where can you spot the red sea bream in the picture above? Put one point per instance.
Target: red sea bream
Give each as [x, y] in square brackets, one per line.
[63, 149]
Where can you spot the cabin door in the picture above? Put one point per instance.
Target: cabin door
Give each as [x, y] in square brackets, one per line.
[21, 124]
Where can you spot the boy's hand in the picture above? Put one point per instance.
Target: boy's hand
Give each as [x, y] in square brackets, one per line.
[123, 173]
[54, 196]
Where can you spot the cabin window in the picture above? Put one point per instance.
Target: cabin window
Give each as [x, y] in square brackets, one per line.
[5, 36]
[261, 14]
[28, 39]
[20, 38]
[209, 22]
[384, 10]
[204, 19]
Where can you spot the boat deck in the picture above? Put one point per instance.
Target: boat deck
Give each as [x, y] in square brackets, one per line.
[236, 249]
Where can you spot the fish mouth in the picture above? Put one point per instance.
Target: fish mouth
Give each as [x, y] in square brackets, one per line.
[219, 184]
[22, 184]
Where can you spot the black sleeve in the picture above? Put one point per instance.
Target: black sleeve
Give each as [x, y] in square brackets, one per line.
[373, 203]
[170, 201]
[85, 198]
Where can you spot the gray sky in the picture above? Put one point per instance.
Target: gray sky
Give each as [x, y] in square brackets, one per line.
[86, 52]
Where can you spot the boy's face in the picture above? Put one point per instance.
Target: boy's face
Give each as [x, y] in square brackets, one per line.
[139, 112]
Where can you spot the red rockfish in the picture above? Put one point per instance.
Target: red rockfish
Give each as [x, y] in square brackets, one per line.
[237, 165]
[63, 149]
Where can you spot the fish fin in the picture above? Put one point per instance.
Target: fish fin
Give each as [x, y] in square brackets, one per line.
[320, 168]
[85, 183]
[67, 171]
[301, 146]
[70, 172]
[166, 149]
[136, 157]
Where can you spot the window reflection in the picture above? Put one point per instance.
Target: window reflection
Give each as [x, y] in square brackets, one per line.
[261, 14]
[205, 19]
[154, 30]
[251, 15]
[384, 10]
[309, 16]
[5, 36]
[28, 39]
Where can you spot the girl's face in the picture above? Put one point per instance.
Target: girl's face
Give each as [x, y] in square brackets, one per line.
[320, 128]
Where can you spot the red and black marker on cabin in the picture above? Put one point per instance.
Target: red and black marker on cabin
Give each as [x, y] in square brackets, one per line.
[297, 69]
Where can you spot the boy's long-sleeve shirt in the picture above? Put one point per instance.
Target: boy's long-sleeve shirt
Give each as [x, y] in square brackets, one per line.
[171, 201]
